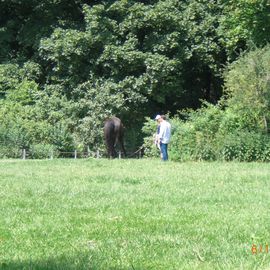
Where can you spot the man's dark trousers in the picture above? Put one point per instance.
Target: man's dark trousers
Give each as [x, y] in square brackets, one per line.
[164, 151]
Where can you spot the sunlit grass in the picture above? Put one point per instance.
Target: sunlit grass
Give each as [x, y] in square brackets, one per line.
[133, 214]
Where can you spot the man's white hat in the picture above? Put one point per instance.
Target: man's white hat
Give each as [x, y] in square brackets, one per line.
[157, 117]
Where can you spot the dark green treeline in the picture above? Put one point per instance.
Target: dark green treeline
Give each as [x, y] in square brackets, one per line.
[67, 65]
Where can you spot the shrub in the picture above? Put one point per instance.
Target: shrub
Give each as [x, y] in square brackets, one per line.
[41, 151]
[211, 133]
[193, 139]
[10, 151]
[247, 86]
[244, 146]
[150, 129]
[182, 145]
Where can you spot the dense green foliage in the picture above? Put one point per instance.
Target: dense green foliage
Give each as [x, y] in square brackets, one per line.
[133, 214]
[248, 88]
[67, 65]
[235, 129]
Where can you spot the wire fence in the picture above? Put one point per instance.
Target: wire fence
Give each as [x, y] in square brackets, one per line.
[46, 151]
[27, 154]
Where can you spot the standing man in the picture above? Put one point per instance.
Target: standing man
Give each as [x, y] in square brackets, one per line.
[164, 135]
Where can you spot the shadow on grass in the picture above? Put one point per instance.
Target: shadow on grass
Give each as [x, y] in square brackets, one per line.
[64, 263]
[49, 264]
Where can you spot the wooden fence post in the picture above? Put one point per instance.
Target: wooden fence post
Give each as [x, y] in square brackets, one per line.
[75, 154]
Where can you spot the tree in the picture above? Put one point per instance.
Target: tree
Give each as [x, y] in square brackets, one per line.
[247, 84]
[244, 23]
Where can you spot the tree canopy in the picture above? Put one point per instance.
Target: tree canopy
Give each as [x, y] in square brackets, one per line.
[71, 64]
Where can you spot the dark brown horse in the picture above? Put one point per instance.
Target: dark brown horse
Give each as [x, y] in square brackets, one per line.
[114, 133]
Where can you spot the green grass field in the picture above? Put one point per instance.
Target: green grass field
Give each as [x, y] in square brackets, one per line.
[134, 214]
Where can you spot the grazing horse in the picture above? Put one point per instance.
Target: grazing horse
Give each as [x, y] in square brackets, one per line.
[114, 132]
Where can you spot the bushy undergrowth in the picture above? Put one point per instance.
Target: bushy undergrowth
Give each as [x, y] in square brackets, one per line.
[237, 128]
[46, 121]
[245, 146]
[209, 134]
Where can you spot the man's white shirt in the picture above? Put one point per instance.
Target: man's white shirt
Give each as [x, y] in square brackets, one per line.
[165, 132]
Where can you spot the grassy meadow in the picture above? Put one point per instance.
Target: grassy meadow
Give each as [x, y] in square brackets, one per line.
[134, 214]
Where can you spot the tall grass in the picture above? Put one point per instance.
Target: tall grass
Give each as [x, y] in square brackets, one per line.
[133, 214]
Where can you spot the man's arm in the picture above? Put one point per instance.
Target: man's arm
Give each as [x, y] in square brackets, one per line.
[161, 132]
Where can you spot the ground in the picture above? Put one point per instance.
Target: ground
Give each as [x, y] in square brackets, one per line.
[134, 214]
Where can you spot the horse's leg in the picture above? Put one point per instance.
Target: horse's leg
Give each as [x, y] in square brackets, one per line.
[110, 153]
[121, 142]
[113, 152]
